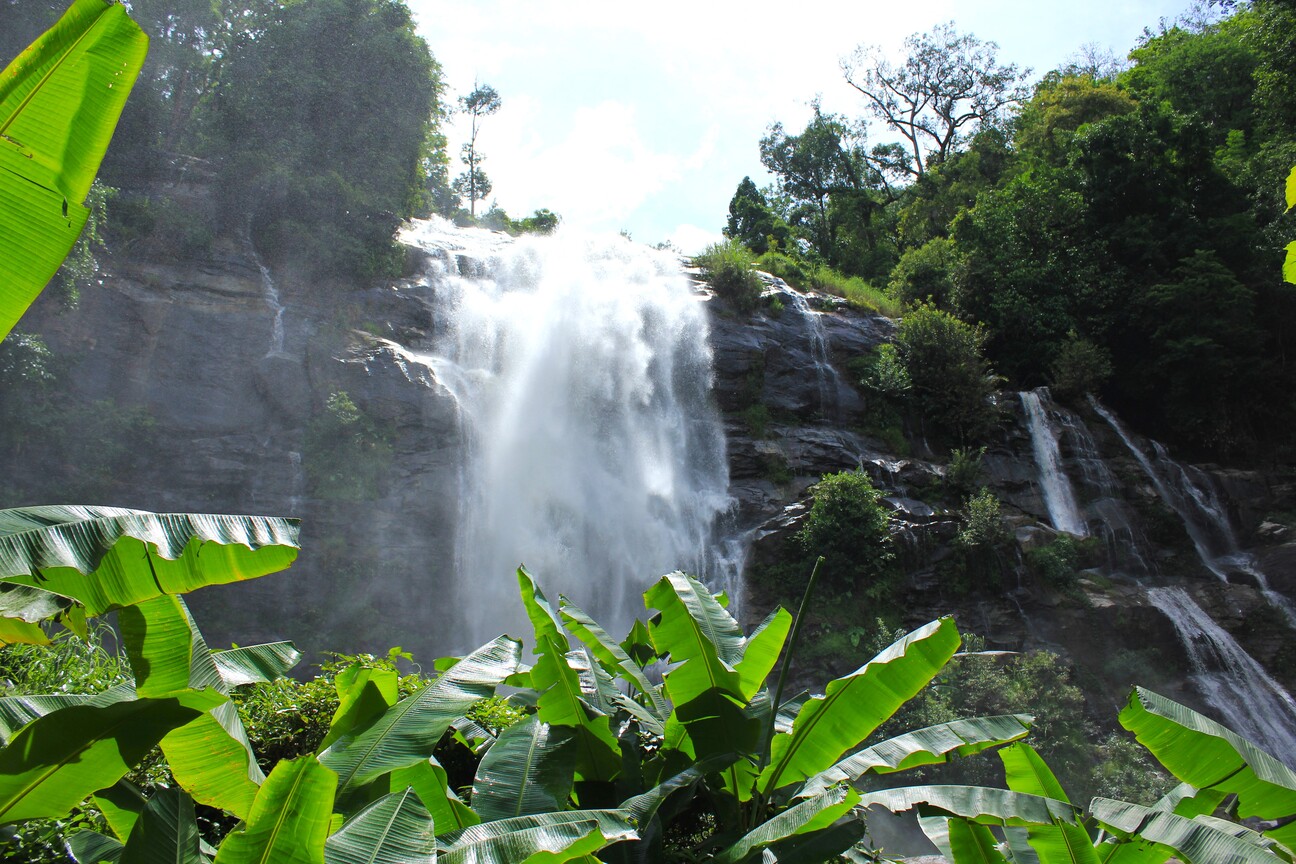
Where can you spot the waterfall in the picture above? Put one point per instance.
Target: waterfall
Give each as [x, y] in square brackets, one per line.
[1249, 701]
[1058, 496]
[1189, 492]
[826, 378]
[593, 451]
[270, 292]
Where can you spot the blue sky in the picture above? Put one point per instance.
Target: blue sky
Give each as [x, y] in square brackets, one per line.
[645, 117]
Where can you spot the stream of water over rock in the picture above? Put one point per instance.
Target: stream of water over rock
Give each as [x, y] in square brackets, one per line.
[594, 452]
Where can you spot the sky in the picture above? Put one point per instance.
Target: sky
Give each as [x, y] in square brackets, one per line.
[645, 117]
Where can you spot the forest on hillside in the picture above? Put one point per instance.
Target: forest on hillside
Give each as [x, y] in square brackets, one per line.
[1116, 226]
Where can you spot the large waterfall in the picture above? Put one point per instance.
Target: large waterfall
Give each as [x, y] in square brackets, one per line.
[594, 454]
[1058, 496]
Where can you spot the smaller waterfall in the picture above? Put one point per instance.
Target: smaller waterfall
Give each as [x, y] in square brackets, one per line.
[1248, 699]
[1189, 492]
[272, 300]
[826, 377]
[1058, 496]
[296, 495]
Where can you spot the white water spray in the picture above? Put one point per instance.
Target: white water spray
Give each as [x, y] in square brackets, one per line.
[594, 454]
[1058, 495]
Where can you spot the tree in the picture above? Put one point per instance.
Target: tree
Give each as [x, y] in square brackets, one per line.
[949, 85]
[752, 221]
[952, 382]
[473, 183]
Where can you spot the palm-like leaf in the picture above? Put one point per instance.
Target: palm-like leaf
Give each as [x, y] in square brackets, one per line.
[1201, 752]
[761, 651]
[528, 770]
[510, 840]
[1061, 843]
[59, 759]
[166, 832]
[17, 711]
[701, 637]
[612, 657]
[395, 829]
[1192, 840]
[431, 783]
[409, 731]
[854, 705]
[981, 804]
[927, 746]
[91, 847]
[107, 558]
[806, 817]
[256, 664]
[59, 103]
[289, 820]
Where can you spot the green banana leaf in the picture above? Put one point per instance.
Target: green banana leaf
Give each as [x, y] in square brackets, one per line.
[612, 657]
[805, 817]
[211, 757]
[644, 806]
[562, 703]
[854, 705]
[701, 637]
[17, 711]
[107, 558]
[981, 804]
[364, 695]
[256, 664]
[544, 619]
[431, 783]
[1060, 843]
[528, 770]
[395, 829]
[926, 746]
[600, 690]
[167, 831]
[15, 632]
[59, 103]
[970, 843]
[91, 847]
[121, 805]
[509, 840]
[290, 818]
[761, 651]
[1201, 752]
[1190, 840]
[57, 760]
[408, 732]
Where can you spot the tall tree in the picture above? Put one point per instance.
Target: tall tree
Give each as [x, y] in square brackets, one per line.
[473, 183]
[948, 86]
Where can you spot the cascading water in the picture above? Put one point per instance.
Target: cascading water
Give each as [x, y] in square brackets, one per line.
[1058, 496]
[1252, 702]
[826, 377]
[594, 453]
[1190, 494]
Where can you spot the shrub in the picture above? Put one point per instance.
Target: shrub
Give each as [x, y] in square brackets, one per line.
[925, 273]
[976, 559]
[1080, 367]
[848, 526]
[1056, 563]
[953, 385]
[727, 268]
[347, 455]
[963, 474]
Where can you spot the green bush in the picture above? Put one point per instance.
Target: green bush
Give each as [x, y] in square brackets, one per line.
[963, 473]
[1080, 367]
[1056, 563]
[953, 385]
[976, 561]
[925, 273]
[848, 526]
[348, 457]
[727, 268]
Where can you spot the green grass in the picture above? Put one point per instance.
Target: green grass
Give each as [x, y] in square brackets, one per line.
[804, 276]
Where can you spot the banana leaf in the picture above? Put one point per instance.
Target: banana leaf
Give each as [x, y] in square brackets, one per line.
[544, 619]
[1059, 843]
[551, 844]
[59, 103]
[256, 664]
[290, 817]
[761, 651]
[1209, 756]
[701, 637]
[612, 657]
[122, 804]
[927, 746]
[806, 817]
[528, 770]
[431, 783]
[17, 711]
[981, 804]
[854, 705]
[1191, 840]
[515, 839]
[364, 694]
[598, 756]
[53, 763]
[167, 831]
[395, 829]
[408, 732]
[91, 847]
[211, 757]
[107, 558]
